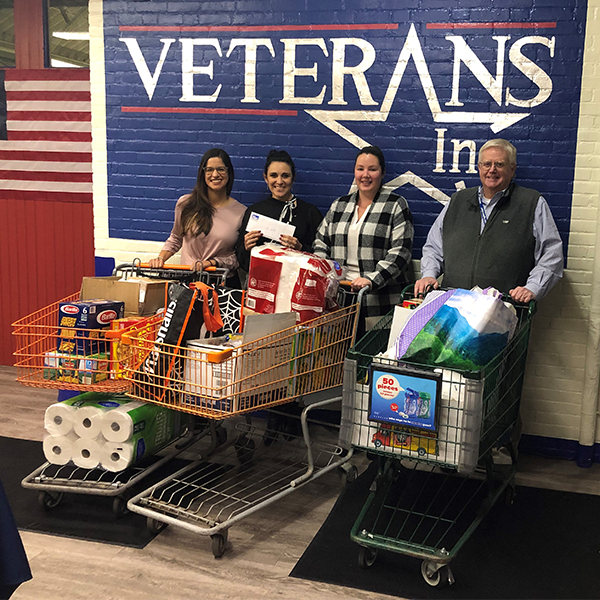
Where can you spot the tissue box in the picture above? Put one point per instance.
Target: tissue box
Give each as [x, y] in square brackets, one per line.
[86, 315]
[208, 368]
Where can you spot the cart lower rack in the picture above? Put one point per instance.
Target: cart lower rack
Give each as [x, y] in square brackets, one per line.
[257, 468]
[54, 481]
[433, 488]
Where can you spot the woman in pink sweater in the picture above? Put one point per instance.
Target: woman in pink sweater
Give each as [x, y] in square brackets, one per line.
[207, 219]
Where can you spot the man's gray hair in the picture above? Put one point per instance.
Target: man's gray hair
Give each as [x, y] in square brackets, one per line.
[510, 150]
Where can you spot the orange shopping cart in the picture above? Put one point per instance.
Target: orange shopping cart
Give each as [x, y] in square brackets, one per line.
[44, 358]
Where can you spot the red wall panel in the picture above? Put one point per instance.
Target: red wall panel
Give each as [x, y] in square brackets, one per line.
[29, 34]
[45, 249]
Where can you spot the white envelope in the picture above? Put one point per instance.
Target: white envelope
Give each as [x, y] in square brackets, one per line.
[270, 228]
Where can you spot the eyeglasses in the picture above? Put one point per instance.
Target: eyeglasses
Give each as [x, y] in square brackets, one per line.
[219, 170]
[488, 165]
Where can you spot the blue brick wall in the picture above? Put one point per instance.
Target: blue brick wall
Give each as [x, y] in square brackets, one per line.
[153, 157]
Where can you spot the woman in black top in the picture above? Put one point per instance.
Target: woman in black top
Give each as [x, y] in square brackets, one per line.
[282, 205]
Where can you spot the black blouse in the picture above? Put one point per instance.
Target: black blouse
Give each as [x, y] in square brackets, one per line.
[306, 218]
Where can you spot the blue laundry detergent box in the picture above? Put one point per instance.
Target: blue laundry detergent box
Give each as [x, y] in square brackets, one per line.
[80, 323]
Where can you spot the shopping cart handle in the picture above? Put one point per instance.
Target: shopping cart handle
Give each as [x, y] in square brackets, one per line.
[348, 284]
[167, 267]
[114, 333]
[181, 268]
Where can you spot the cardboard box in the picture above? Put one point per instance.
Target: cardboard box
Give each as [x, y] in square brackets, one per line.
[415, 440]
[265, 371]
[119, 353]
[74, 318]
[93, 369]
[142, 296]
[75, 369]
[52, 364]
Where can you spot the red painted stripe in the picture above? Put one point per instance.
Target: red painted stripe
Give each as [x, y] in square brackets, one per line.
[540, 25]
[211, 111]
[338, 27]
[57, 136]
[81, 157]
[46, 176]
[46, 196]
[47, 115]
[47, 75]
[49, 96]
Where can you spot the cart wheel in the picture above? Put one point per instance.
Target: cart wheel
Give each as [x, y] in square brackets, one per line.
[366, 557]
[435, 575]
[347, 474]
[50, 500]
[219, 543]
[154, 526]
[509, 495]
[221, 434]
[245, 451]
[119, 506]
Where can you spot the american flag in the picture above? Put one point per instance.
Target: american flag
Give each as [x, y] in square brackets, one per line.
[45, 135]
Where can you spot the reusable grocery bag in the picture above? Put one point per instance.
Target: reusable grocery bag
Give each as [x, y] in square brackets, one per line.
[459, 329]
[160, 376]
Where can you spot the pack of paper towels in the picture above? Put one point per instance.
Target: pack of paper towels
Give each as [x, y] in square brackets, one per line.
[107, 431]
[284, 280]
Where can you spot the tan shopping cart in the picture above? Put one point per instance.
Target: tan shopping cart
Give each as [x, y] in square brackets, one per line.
[257, 466]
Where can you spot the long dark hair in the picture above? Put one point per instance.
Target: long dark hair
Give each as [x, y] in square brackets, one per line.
[197, 213]
[280, 156]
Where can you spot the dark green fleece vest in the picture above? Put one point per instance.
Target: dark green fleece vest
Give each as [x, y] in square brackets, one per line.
[503, 254]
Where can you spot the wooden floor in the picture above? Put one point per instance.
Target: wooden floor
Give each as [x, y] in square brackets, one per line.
[179, 564]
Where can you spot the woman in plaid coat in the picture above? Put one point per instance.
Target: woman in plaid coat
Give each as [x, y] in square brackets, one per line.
[370, 232]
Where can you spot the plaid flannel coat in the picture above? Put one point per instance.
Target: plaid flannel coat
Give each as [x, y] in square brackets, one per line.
[385, 245]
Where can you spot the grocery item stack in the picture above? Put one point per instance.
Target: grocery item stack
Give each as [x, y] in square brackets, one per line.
[107, 431]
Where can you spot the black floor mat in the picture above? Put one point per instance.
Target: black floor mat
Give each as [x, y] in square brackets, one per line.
[547, 545]
[88, 517]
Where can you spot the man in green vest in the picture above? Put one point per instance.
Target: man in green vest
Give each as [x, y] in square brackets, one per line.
[497, 235]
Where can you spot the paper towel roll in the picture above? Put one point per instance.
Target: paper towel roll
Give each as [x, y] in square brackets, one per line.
[87, 452]
[117, 456]
[118, 425]
[59, 418]
[58, 449]
[88, 421]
